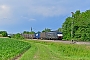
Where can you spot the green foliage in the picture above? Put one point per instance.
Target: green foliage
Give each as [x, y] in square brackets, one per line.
[79, 24]
[42, 50]
[38, 32]
[17, 36]
[27, 32]
[76, 51]
[32, 32]
[60, 29]
[46, 30]
[4, 33]
[10, 48]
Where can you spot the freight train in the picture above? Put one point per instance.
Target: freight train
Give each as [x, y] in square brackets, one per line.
[45, 35]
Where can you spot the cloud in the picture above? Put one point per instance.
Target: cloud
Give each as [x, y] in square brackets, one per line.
[24, 13]
[4, 11]
[12, 10]
[7, 16]
[28, 18]
[32, 19]
[46, 8]
[47, 11]
[50, 8]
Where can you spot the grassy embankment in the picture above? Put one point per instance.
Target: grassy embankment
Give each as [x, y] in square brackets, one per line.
[11, 48]
[41, 50]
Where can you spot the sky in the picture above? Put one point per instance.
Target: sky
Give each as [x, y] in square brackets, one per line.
[17, 16]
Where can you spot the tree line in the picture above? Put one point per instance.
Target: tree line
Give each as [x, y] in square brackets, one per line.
[45, 30]
[3, 33]
[18, 35]
[77, 27]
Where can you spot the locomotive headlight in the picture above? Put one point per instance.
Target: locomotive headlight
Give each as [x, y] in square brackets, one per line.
[59, 35]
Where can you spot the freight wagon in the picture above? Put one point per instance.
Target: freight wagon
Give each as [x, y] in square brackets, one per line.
[49, 35]
[44, 35]
[29, 36]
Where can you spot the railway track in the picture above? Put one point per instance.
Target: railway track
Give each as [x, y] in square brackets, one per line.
[68, 42]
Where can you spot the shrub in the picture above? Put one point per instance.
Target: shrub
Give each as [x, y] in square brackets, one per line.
[17, 36]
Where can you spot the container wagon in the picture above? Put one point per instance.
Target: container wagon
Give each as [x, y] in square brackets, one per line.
[49, 35]
[29, 36]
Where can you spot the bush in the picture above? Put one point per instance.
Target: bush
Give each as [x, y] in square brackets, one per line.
[17, 36]
[4, 33]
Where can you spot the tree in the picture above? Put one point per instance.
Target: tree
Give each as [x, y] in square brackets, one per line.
[38, 32]
[17, 36]
[26, 32]
[4, 33]
[60, 29]
[32, 32]
[79, 24]
[46, 30]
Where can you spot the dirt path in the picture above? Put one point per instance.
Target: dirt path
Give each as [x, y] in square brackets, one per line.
[40, 52]
[41, 49]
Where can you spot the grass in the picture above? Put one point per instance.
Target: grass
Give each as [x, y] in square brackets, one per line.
[38, 52]
[11, 48]
[41, 50]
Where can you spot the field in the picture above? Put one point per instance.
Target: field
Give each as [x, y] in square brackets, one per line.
[41, 50]
[11, 48]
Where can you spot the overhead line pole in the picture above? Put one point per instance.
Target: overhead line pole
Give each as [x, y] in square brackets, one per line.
[72, 28]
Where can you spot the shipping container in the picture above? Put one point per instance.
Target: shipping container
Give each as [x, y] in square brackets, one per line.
[48, 35]
[43, 35]
[51, 35]
[29, 36]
